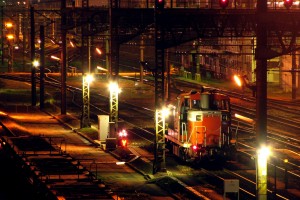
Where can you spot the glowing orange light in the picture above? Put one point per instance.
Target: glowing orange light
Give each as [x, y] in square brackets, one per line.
[72, 44]
[10, 36]
[124, 142]
[98, 51]
[55, 58]
[237, 80]
[8, 24]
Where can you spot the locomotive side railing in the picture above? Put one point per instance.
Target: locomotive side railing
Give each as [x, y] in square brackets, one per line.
[184, 132]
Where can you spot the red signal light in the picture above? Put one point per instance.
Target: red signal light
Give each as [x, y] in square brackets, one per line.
[288, 3]
[195, 148]
[160, 4]
[223, 3]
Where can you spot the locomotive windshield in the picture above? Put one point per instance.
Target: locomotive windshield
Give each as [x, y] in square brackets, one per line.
[223, 104]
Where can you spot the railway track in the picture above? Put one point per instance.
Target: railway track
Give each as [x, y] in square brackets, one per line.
[181, 191]
[148, 135]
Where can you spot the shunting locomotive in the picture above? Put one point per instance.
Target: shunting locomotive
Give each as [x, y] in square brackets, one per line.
[199, 127]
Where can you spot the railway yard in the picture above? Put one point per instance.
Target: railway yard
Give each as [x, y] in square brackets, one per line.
[61, 160]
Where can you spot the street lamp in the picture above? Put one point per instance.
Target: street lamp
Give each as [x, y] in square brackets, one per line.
[114, 105]
[286, 161]
[238, 80]
[8, 25]
[98, 51]
[55, 58]
[242, 81]
[36, 63]
[261, 172]
[10, 38]
[159, 163]
[85, 119]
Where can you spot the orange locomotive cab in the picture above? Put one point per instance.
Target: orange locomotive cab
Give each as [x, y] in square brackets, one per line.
[199, 127]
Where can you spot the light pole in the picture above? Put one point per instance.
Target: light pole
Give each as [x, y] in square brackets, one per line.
[102, 67]
[114, 106]
[32, 56]
[85, 118]
[159, 163]
[2, 35]
[286, 161]
[42, 67]
[261, 172]
[10, 38]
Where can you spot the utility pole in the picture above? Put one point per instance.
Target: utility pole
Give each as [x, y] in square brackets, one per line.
[159, 142]
[2, 35]
[261, 55]
[42, 67]
[294, 88]
[113, 42]
[142, 57]
[85, 40]
[63, 57]
[32, 54]
[261, 73]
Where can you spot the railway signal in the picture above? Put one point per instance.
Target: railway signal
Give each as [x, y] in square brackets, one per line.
[288, 3]
[124, 142]
[223, 3]
[123, 138]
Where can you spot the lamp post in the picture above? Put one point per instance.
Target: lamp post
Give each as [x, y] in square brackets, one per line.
[114, 106]
[2, 35]
[85, 118]
[99, 52]
[285, 173]
[32, 56]
[159, 163]
[36, 63]
[42, 67]
[261, 172]
[10, 38]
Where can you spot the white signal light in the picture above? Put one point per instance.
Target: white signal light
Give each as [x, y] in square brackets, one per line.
[123, 133]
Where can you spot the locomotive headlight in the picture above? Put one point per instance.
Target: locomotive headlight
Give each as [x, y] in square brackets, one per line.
[123, 133]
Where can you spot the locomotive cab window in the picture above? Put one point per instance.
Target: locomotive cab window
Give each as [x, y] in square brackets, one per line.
[198, 118]
[224, 117]
[183, 111]
[222, 105]
[225, 105]
[196, 104]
